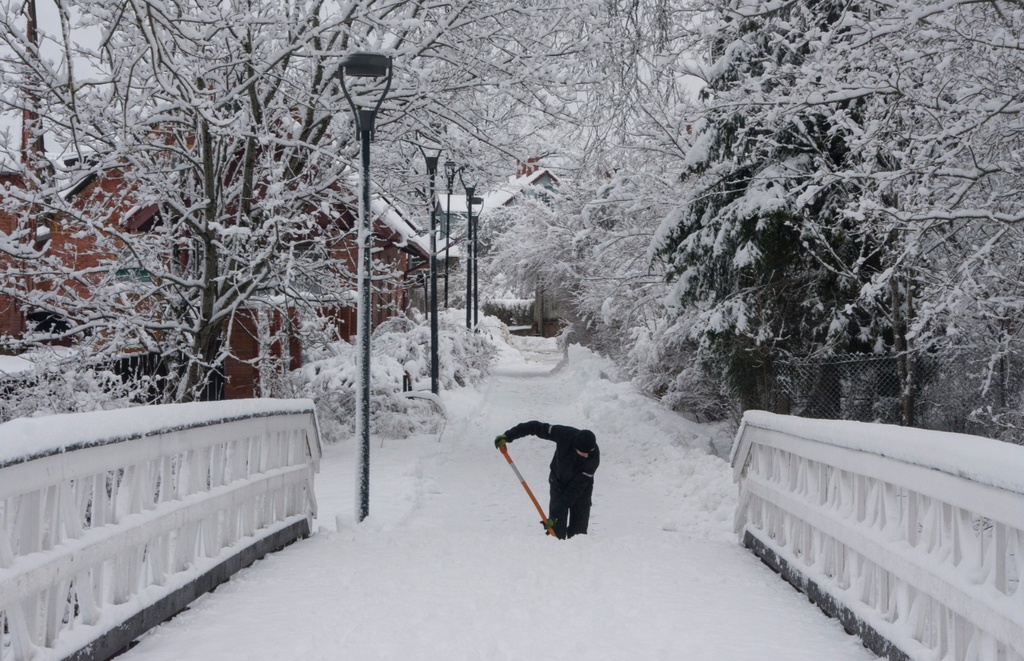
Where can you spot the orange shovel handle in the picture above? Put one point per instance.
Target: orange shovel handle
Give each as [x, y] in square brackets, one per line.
[540, 510]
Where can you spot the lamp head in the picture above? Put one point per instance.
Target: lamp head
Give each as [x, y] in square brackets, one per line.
[451, 168]
[365, 66]
[431, 150]
[470, 187]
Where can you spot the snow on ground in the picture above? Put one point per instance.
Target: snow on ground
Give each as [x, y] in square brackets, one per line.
[452, 562]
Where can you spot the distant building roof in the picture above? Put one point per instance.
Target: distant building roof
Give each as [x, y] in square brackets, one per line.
[404, 231]
[516, 185]
[505, 194]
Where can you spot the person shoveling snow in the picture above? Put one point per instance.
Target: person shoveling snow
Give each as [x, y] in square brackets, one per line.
[573, 466]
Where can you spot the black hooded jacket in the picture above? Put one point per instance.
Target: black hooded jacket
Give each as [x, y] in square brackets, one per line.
[571, 474]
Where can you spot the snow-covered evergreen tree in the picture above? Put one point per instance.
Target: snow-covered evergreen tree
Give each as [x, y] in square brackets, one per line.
[758, 251]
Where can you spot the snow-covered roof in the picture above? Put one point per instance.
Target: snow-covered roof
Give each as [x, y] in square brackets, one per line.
[515, 185]
[14, 365]
[458, 202]
[406, 231]
[499, 197]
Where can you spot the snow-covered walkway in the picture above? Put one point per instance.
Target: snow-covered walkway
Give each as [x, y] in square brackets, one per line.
[452, 563]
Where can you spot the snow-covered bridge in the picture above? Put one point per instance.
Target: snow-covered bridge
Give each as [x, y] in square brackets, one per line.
[913, 540]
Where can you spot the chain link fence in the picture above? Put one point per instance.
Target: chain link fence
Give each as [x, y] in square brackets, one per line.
[954, 391]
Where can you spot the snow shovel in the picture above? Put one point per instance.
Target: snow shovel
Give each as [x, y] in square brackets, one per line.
[549, 525]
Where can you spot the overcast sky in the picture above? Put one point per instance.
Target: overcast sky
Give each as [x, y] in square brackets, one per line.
[50, 44]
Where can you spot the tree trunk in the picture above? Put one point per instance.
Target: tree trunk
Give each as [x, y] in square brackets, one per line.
[902, 310]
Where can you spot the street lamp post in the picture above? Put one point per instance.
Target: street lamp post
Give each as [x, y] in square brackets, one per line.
[476, 258]
[450, 170]
[469, 254]
[431, 153]
[364, 66]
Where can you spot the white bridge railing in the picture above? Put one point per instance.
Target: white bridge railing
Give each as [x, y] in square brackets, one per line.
[111, 522]
[913, 539]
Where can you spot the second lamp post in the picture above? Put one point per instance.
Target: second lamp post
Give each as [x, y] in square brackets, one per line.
[471, 286]
[431, 154]
[451, 168]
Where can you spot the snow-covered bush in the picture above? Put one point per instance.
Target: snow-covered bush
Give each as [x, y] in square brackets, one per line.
[665, 364]
[511, 311]
[61, 385]
[401, 356]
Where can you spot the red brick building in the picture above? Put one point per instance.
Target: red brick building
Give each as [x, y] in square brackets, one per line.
[12, 319]
[253, 331]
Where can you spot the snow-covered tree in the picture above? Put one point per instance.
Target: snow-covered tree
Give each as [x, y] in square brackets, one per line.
[207, 149]
[764, 261]
[855, 171]
[620, 179]
[945, 129]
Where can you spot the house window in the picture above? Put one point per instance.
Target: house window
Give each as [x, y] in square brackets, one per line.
[49, 323]
[457, 219]
[312, 263]
[43, 236]
[133, 275]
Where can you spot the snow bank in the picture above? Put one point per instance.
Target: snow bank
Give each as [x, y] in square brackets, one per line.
[650, 442]
[14, 365]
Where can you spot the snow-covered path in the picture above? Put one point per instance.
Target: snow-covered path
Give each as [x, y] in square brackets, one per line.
[452, 563]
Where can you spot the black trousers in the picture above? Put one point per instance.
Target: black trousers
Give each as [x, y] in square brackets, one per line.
[573, 520]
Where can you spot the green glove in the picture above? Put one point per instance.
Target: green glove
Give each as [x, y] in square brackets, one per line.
[548, 525]
[500, 441]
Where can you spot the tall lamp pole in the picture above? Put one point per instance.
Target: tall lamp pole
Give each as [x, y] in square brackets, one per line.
[379, 67]
[470, 189]
[476, 257]
[450, 170]
[431, 154]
